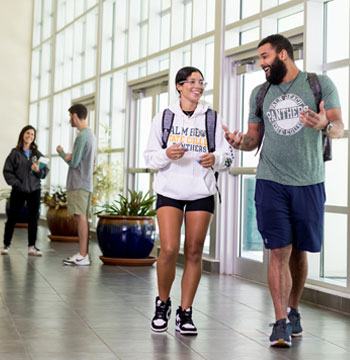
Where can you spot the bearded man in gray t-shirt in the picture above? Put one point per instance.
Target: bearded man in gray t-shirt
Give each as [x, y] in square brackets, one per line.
[289, 194]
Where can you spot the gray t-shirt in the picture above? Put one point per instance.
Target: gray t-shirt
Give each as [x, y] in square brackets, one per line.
[82, 162]
[292, 153]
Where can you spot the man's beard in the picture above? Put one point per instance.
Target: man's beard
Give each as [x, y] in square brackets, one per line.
[278, 70]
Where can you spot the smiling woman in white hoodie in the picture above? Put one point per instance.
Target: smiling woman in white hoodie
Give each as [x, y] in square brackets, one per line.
[185, 184]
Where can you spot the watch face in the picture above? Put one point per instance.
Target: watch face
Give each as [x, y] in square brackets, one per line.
[329, 127]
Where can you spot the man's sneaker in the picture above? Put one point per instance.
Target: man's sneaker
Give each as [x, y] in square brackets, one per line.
[33, 251]
[161, 316]
[281, 334]
[77, 259]
[5, 250]
[184, 323]
[294, 318]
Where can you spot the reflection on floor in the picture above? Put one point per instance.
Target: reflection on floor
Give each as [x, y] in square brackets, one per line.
[54, 312]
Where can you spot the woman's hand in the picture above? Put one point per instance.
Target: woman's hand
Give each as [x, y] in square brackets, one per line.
[35, 167]
[207, 160]
[175, 152]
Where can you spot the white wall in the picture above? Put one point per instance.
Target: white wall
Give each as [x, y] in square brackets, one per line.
[15, 40]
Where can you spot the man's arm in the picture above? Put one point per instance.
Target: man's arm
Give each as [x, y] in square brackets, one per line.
[246, 142]
[320, 121]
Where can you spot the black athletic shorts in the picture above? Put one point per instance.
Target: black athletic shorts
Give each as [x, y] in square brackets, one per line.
[204, 204]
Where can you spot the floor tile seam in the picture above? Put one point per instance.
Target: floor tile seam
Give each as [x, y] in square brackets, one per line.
[329, 342]
[24, 344]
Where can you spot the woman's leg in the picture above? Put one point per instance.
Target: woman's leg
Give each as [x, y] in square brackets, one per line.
[197, 223]
[169, 221]
[16, 204]
[33, 203]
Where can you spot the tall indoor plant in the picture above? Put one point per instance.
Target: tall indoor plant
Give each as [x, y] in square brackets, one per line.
[126, 229]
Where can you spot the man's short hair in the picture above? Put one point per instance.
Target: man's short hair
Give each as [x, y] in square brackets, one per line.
[279, 43]
[80, 110]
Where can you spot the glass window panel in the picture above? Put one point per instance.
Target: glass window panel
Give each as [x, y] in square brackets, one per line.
[337, 23]
[162, 101]
[144, 10]
[33, 115]
[165, 4]
[251, 244]
[210, 15]
[200, 17]
[43, 127]
[187, 20]
[249, 35]
[47, 19]
[90, 45]
[90, 3]
[290, 22]
[107, 35]
[335, 248]
[142, 183]
[340, 78]
[78, 49]
[144, 121]
[121, 33]
[105, 111]
[34, 85]
[232, 11]
[119, 110]
[143, 40]
[267, 4]
[58, 172]
[65, 12]
[37, 22]
[337, 174]
[209, 65]
[249, 81]
[250, 8]
[314, 261]
[45, 79]
[231, 39]
[79, 7]
[165, 31]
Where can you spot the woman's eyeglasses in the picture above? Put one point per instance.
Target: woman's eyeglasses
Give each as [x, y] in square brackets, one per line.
[201, 83]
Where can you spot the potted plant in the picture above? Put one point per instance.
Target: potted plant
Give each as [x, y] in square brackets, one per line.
[126, 230]
[22, 221]
[62, 226]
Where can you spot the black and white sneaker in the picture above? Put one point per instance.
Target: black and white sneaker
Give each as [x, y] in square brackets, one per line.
[161, 317]
[184, 323]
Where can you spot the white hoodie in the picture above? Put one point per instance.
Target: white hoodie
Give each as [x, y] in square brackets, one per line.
[185, 178]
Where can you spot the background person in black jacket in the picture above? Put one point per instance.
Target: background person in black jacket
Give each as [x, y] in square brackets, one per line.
[23, 173]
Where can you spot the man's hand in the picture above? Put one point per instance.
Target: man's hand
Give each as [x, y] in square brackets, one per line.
[35, 167]
[207, 160]
[59, 148]
[314, 121]
[68, 157]
[235, 139]
[175, 152]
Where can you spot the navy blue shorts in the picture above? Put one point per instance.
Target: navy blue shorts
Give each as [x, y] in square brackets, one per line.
[204, 204]
[290, 215]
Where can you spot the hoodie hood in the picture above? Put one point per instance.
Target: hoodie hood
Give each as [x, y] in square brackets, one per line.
[201, 108]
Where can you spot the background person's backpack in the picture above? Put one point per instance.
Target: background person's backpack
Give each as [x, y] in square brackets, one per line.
[317, 91]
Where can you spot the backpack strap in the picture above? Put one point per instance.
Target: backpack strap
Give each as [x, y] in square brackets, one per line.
[210, 128]
[167, 123]
[259, 101]
[315, 86]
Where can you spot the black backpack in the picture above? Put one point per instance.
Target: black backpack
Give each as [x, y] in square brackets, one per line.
[210, 127]
[317, 91]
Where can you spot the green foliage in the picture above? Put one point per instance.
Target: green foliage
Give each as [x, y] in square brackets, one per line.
[136, 204]
[55, 197]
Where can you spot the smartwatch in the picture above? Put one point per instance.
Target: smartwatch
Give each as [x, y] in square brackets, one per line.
[328, 128]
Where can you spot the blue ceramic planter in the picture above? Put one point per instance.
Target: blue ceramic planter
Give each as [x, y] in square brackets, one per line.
[126, 236]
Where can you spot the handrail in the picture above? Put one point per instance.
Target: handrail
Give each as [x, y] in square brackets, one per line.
[235, 171]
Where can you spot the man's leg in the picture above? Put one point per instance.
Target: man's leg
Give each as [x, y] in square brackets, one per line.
[280, 280]
[83, 233]
[298, 268]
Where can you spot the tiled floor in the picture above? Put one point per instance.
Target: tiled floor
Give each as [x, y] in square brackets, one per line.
[54, 312]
